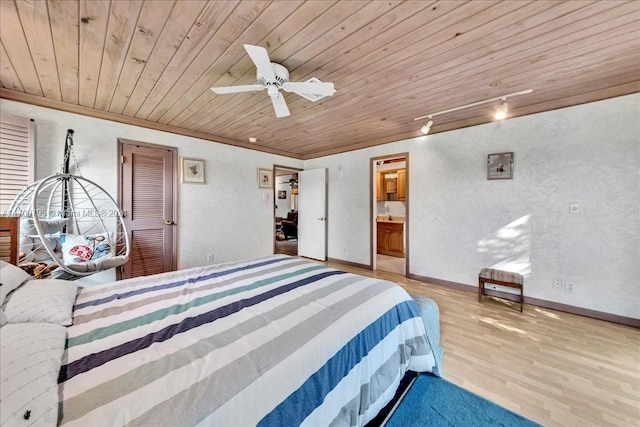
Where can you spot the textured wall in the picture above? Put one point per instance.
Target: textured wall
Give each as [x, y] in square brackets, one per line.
[229, 216]
[350, 202]
[461, 222]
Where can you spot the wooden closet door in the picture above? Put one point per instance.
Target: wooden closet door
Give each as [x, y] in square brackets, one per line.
[148, 177]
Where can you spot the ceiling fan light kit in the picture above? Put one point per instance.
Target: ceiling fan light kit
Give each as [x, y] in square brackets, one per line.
[273, 77]
[500, 114]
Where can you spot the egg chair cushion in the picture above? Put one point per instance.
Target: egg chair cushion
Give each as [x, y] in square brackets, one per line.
[34, 250]
[99, 264]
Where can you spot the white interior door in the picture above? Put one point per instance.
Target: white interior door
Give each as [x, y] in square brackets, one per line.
[312, 214]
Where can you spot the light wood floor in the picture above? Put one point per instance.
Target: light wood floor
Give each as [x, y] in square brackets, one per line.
[390, 263]
[287, 247]
[555, 368]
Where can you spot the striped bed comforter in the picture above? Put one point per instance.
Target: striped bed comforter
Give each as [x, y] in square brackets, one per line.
[276, 341]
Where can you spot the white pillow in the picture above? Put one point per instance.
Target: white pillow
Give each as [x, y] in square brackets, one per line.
[81, 249]
[44, 300]
[10, 278]
[3, 318]
[30, 360]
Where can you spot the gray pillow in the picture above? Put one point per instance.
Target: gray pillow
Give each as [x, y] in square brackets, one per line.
[49, 225]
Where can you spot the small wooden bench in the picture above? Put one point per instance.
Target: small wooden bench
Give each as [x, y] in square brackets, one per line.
[502, 278]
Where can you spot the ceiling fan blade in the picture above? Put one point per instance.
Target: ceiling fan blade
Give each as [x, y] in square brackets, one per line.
[260, 57]
[280, 105]
[233, 89]
[311, 88]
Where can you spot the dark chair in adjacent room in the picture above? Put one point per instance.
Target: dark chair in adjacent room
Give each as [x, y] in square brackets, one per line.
[290, 226]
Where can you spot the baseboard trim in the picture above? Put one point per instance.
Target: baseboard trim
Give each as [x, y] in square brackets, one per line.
[349, 263]
[600, 315]
[447, 283]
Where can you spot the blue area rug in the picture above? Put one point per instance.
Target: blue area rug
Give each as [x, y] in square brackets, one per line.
[433, 401]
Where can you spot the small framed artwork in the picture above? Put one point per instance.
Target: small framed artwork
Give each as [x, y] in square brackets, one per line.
[282, 194]
[265, 178]
[191, 171]
[500, 166]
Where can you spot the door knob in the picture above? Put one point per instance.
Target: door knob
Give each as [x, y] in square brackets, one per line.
[321, 218]
[169, 222]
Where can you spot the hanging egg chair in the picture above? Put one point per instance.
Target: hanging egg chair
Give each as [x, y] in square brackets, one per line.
[69, 221]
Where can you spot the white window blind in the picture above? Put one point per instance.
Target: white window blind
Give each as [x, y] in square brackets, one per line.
[17, 147]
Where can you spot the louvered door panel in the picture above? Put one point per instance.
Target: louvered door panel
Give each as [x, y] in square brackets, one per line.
[147, 185]
[147, 197]
[147, 252]
[16, 157]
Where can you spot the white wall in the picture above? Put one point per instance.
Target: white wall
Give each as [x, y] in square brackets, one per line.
[461, 222]
[229, 216]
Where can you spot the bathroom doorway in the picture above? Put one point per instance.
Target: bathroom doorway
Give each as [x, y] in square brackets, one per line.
[390, 213]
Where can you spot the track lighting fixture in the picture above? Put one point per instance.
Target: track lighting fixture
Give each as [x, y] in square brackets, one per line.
[427, 127]
[500, 114]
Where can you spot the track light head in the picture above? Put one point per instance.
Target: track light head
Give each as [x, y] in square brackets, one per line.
[501, 114]
[427, 127]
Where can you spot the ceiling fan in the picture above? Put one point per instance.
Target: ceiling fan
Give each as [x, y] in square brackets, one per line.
[273, 77]
[293, 181]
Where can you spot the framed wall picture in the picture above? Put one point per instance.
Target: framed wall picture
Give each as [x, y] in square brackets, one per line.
[500, 166]
[191, 171]
[265, 178]
[282, 194]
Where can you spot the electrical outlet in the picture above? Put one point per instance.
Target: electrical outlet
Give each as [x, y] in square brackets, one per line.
[569, 287]
[210, 258]
[557, 284]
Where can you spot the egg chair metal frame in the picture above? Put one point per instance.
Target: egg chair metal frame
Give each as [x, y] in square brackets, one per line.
[74, 220]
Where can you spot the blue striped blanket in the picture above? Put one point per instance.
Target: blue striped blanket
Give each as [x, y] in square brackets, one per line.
[276, 341]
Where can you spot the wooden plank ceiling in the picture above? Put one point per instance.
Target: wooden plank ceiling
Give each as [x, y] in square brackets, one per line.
[152, 63]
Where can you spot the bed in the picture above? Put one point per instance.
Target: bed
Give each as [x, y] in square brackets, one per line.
[272, 341]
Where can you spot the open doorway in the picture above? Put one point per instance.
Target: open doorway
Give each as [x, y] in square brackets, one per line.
[285, 210]
[390, 218]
